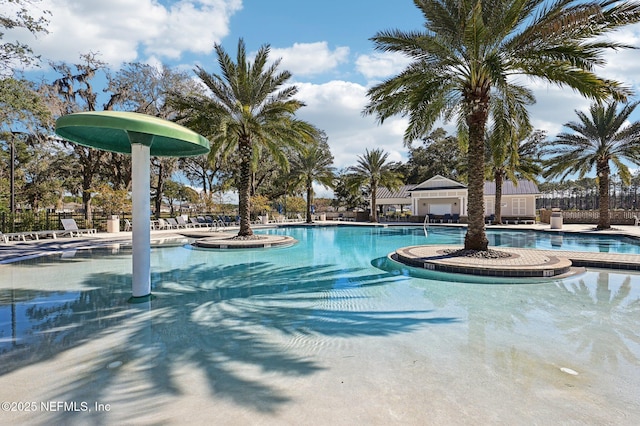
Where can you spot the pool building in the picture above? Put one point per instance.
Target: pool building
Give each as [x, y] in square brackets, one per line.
[440, 196]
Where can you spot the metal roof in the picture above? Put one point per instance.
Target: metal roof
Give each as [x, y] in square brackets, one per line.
[524, 187]
[402, 192]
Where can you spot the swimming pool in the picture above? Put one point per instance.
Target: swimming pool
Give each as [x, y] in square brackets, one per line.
[313, 334]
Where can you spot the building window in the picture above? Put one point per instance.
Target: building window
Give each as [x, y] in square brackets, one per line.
[519, 206]
[489, 206]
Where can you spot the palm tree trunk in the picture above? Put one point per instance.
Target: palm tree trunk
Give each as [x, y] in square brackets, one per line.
[603, 184]
[244, 188]
[498, 200]
[159, 190]
[374, 210]
[478, 101]
[88, 208]
[309, 201]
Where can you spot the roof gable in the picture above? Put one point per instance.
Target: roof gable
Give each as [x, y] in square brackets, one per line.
[438, 182]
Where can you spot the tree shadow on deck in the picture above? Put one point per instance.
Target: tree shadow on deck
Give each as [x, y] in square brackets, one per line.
[216, 320]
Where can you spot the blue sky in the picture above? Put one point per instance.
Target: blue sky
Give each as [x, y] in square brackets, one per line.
[325, 44]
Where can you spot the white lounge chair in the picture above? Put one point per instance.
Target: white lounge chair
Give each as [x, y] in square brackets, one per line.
[183, 223]
[53, 233]
[163, 224]
[71, 227]
[196, 223]
[173, 224]
[22, 236]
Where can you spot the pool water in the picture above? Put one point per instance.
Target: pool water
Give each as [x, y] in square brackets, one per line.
[315, 333]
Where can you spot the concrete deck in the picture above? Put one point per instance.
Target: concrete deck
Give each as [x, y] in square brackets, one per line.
[227, 241]
[522, 263]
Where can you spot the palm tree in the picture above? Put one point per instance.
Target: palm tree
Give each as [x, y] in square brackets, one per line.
[600, 140]
[371, 172]
[467, 54]
[313, 165]
[511, 157]
[250, 108]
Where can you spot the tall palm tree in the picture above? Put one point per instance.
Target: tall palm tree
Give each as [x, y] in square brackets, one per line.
[313, 165]
[250, 107]
[602, 139]
[373, 171]
[468, 52]
[512, 156]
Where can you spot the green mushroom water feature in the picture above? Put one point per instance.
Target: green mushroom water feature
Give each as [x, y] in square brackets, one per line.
[141, 136]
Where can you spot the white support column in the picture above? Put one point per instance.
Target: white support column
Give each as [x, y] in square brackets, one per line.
[464, 211]
[141, 232]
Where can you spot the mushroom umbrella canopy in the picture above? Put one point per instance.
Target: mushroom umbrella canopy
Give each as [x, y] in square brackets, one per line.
[140, 135]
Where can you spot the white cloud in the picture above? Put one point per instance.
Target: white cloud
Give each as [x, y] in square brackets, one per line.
[381, 65]
[194, 26]
[336, 107]
[555, 106]
[120, 29]
[623, 65]
[307, 59]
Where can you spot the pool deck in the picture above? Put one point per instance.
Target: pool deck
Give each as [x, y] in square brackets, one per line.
[521, 263]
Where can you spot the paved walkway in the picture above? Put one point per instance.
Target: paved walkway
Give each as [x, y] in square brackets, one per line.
[520, 263]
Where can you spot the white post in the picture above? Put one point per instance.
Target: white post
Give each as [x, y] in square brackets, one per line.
[141, 232]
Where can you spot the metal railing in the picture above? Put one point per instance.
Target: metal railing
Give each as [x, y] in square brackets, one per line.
[616, 217]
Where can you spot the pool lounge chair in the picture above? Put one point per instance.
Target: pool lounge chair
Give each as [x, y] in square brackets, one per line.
[163, 224]
[18, 236]
[183, 223]
[173, 224]
[196, 223]
[32, 235]
[53, 233]
[71, 227]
